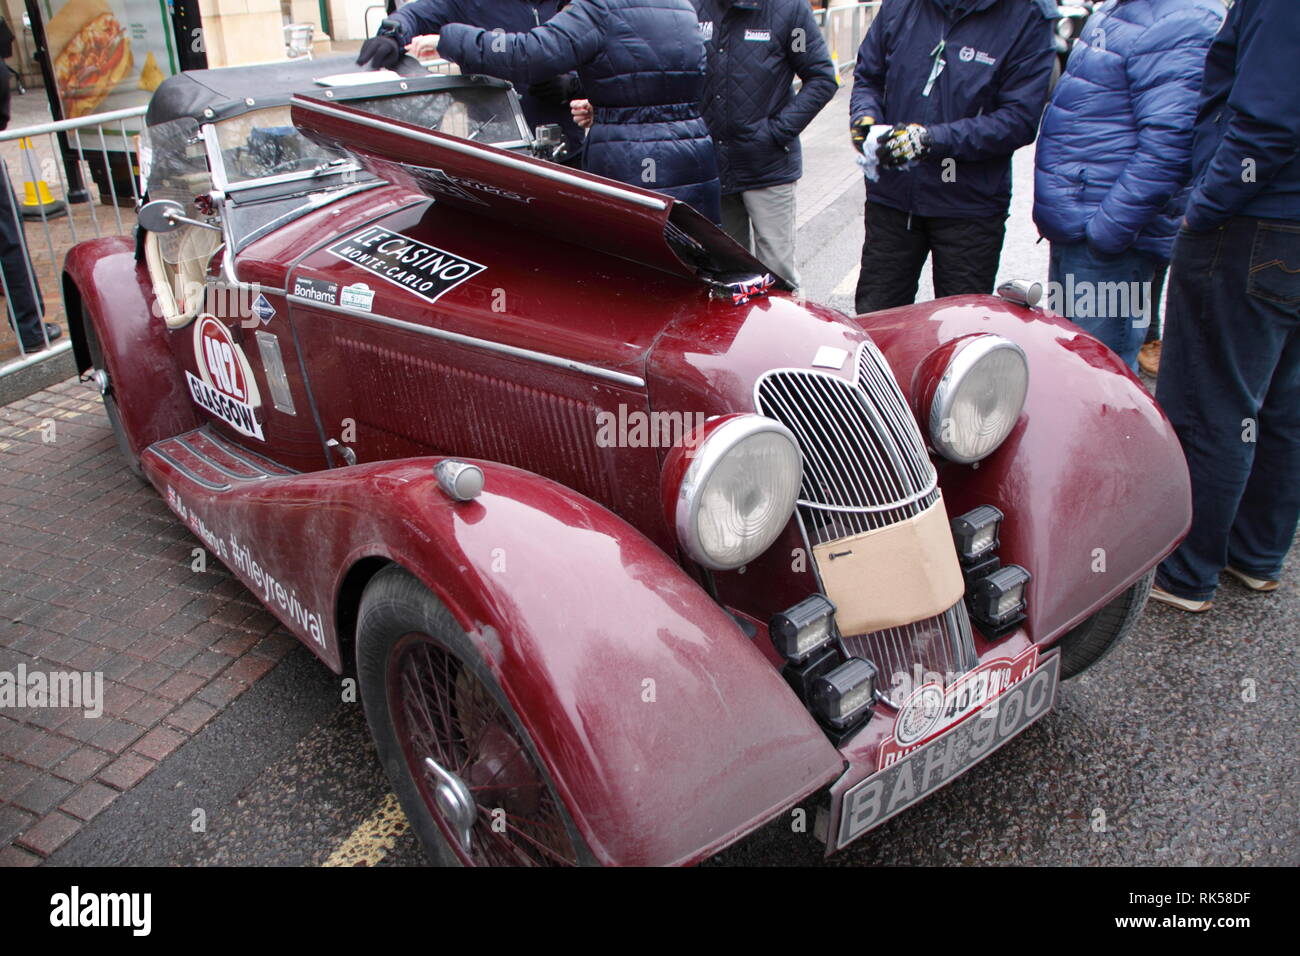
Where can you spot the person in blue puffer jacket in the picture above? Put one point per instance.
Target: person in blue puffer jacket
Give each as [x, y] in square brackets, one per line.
[1114, 159]
[641, 64]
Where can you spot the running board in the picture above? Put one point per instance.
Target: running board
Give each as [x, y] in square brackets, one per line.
[213, 462]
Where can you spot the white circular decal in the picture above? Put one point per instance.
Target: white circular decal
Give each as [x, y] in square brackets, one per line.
[919, 715]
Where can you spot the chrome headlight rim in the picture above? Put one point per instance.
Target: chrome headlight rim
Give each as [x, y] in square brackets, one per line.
[964, 360]
[718, 442]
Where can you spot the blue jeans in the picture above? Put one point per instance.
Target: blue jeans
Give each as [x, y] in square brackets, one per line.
[1109, 297]
[1230, 383]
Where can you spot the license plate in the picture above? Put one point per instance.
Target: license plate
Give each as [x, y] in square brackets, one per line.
[923, 771]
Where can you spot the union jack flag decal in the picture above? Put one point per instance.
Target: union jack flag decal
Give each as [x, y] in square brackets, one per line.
[742, 292]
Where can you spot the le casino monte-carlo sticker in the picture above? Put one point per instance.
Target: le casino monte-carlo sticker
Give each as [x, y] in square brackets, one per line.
[415, 266]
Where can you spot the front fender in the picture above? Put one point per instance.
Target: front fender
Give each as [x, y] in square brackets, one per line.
[105, 286]
[666, 731]
[1092, 479]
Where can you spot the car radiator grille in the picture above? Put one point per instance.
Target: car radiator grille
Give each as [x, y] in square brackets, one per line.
[866, 467]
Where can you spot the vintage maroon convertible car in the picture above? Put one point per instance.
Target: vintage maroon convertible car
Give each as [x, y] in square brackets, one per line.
[632, 550]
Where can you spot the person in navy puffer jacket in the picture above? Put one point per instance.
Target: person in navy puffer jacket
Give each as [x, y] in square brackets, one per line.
[962, 83]
[1114, 160]
[641, 64]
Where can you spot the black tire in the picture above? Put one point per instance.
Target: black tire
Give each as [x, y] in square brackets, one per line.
[1089, 642]
[399, 626]
[98, 361]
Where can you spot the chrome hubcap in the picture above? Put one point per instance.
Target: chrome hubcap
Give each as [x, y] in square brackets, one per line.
[455, 802]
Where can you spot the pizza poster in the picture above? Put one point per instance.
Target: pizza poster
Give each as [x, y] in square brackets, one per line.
[107, 54]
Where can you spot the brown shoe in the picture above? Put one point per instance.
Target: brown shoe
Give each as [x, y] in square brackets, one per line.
[1149, 358]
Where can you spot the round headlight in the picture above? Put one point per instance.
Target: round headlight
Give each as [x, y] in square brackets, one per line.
[738, 491]
[979, 398]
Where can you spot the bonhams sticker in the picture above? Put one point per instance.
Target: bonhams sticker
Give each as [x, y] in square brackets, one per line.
[425, 270]
[224, 386]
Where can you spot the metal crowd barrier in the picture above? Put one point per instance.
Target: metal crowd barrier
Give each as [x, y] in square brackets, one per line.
[40, 221]
[844, 26]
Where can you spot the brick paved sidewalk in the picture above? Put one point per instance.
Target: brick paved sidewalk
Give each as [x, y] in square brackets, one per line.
[96, 576]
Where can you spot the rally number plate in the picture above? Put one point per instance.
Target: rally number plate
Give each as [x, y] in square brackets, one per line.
[923, 771]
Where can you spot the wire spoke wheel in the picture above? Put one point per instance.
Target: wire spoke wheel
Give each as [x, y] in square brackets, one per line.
[441, 711]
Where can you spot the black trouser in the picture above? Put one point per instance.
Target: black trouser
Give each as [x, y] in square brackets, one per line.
[25, 308]
[965, 251]
[1230, 384]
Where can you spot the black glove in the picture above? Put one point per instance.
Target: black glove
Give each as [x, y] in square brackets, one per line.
[383, 51]
[903, 145]
[859, 129]
[556, 91]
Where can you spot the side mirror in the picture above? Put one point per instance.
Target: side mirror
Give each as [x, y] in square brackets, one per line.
[167, 215]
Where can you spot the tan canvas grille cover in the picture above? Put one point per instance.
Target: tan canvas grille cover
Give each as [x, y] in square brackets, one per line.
[892, 576]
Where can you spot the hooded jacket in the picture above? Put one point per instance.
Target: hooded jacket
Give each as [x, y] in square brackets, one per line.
[755, 49]
[641, 63]
[1114, 154]
[993, 63]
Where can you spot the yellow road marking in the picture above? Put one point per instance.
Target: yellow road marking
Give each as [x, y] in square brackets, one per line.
[849, 284]
[373, 838]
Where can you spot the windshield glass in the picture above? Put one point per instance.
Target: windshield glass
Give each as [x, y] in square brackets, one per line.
[484, 114]
[175, 167]
[265, 143]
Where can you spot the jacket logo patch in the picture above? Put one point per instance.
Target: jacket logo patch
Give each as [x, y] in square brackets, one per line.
[969, 53]
[425, 270]
[706, 29]
[762, 36]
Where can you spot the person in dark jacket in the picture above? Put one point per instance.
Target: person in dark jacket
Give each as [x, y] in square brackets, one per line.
[543, 102]
[756, 48]
[641, 64]
[1114, 158]
[1230, 372]
[962, 83]
[17, 277]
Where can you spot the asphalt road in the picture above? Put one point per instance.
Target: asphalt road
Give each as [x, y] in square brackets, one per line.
[1179, 748]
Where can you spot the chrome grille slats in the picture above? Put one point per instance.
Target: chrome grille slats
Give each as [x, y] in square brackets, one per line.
[824, 471]
[863, 455]
[866, 467]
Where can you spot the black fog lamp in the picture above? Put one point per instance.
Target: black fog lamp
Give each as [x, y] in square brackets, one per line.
[842, 697]
[976, 533]
[807, 627]
[997, 600]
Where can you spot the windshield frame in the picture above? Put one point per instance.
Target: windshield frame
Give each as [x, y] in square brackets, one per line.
[346, 165]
